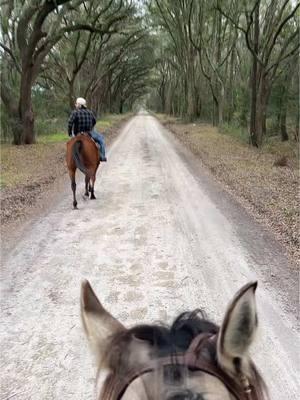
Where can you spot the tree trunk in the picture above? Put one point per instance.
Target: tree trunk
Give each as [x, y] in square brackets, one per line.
[198, 104]
[184, 105]
[261, 112]
[26, 115]
[20, 117]
[221, 105]
[219, 85]
[28, 135]
[297, 123]
[71, 93]
[162, 96]
[283, 130]
[167, 99]
[283, 113]
[163, 100]
[121, 106]
[109, 94]
[254, 76]
[230, 94]
[215, 108]
[191, 98]
[15, 123]
[260, 122]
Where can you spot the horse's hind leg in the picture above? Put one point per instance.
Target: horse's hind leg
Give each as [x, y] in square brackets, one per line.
[73, 186]
[93, 178]
[87, 180]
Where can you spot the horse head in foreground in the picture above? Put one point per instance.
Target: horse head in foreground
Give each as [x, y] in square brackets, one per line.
[193, 359]
[82, 153]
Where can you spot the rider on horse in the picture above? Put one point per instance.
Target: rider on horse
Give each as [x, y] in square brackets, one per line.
[83, 120]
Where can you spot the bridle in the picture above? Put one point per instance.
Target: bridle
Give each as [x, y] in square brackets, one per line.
[241, 389]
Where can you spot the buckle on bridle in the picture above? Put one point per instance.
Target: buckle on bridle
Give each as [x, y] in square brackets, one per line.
[245, 384]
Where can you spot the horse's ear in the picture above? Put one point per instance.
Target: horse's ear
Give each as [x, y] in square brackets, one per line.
[238, 329]
[98, 323]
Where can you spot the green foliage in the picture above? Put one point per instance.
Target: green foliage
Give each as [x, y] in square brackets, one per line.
[53, 138]
[5, 131]
[236, 131]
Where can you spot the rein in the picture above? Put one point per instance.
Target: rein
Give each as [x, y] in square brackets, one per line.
[115, 387]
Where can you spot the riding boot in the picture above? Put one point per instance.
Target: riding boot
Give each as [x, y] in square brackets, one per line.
[102, 154]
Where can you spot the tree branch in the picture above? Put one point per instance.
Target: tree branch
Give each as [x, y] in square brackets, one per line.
[5, 48]
[280, 29]
[281, 56]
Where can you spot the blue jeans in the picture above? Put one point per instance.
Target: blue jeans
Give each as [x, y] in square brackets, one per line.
[99, 138]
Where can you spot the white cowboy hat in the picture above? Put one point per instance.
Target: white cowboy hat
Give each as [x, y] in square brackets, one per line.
[81, 101]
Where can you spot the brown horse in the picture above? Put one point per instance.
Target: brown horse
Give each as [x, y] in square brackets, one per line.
[193, 359]
[83, 153]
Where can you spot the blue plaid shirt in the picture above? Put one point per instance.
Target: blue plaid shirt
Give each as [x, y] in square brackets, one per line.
[81, 120]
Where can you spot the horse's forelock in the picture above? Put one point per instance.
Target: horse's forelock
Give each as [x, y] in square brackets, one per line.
[164, 340]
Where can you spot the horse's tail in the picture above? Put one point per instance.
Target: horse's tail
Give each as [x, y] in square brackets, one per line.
[77, 146]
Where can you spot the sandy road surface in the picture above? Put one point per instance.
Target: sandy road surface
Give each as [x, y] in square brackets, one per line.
[161, 238]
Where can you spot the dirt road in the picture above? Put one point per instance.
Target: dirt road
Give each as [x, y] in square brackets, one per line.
[162, 237]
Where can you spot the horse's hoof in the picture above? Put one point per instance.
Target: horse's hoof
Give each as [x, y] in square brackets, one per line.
[93, 197]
